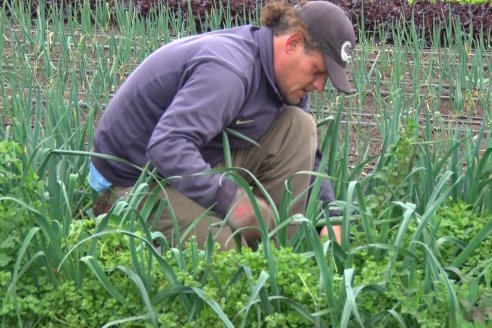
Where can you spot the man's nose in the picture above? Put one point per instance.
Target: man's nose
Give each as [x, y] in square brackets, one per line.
[320, 83]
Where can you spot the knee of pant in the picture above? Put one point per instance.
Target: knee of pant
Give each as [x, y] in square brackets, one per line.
[303, 124]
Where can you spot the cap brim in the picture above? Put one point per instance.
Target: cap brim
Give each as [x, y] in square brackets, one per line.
[338, 76]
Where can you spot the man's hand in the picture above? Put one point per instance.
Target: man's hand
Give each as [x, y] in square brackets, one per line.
[337, 230]
[242, 214]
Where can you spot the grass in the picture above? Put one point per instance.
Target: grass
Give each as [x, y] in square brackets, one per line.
[400, 154]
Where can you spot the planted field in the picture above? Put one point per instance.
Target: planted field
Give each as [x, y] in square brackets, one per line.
[409, 156]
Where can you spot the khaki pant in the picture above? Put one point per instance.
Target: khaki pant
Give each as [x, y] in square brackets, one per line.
[288, 147]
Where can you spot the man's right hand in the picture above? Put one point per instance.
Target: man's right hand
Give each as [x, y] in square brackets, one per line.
[242, 214]
[337, 230]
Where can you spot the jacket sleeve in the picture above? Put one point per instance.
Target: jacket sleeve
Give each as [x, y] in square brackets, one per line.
[326, 190]
[209, 97]
[326, 194]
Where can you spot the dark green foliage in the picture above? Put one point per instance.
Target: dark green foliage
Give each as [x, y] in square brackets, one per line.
[19, 185]
[391, 182]
[458, 221]
[229, 281]
[427, 15]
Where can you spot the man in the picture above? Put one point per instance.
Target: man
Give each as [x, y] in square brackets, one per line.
[173, 109]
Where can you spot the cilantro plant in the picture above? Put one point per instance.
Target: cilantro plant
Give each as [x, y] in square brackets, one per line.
[20, 188]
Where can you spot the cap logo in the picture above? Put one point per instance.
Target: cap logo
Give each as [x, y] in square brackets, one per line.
[346, 52]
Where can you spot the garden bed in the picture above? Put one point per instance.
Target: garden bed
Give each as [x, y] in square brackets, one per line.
[409, 156]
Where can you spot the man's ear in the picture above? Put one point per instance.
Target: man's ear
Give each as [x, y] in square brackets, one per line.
[295, 40]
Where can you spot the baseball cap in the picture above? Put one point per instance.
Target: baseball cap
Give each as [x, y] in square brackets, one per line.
[331, 28]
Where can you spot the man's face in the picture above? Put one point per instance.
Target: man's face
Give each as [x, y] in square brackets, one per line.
[300, 72]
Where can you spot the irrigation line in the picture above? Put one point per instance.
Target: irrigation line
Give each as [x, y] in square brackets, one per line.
[102, 35]
[9, 66]
[386, 93]
[444, 94]
[409, 83]
[446, 120]
[424, 63]
[425, 51]
[373, 49]
[474, 120]
[89, 46]
[445, 87]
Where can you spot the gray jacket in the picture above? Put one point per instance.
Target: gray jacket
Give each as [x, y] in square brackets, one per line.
[173, 107]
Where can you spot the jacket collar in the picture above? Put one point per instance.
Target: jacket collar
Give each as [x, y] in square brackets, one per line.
[265, 42]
